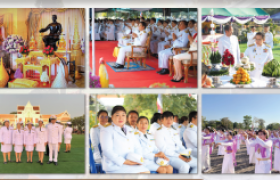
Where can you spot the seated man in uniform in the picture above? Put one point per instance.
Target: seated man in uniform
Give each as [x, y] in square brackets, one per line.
[139, 40]
[259, 53]
[180, 41]
[55, 31]
[168, 141]
[190, 134]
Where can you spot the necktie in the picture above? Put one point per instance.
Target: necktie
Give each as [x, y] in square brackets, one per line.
[123, 131]
[40, 129]
[145, 135]
[18, 131]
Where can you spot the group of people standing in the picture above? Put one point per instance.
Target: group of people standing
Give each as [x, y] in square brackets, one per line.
[29, 137]
[128, 145]
[260, 147]
[164, 35]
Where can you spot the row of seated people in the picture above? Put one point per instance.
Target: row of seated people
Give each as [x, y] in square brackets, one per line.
[126, 140]
[165, 39]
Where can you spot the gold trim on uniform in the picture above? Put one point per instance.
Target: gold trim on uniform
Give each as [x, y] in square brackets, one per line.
[95, 126]
[251, 45]
[107, 125]
[159, 128]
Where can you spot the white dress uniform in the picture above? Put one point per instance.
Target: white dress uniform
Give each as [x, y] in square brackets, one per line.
[269, 39]
[138, 41]
[126, 31]
[41, 138]
[230, 43]
[149, 149]
[192, 31]
[206, 163]
[168, 142]
[154, 43]
[153, 128]
[186, 55]
[190, 138]
[173, 30]
[54, 137]
[119, 30]
[181, 41]
[259, 55]
[68, 135]
[18, 138]
[181, 130]
[228, 164]
[263, 163]
[29, 140]
[252, 157]
[97, 28]
[116, 145]
[110, 32]
[6, 138]
[95, 141]
[250, 38]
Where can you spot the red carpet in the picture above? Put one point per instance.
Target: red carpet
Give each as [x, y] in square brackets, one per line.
[140, 79]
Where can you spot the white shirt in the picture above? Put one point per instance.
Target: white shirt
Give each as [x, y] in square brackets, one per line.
[141, 39]
[68, 133]
[182, 39]
[153, 128]
[190, 138]
[6, 135]
[250, 37]
[54, 133]
[29, 138]
[41, 135]
[230, 43]
[269, 39]
[95, 141]
[18, 136]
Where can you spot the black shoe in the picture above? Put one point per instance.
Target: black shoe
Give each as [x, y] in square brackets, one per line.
[49, 162]
[38, 161]
[165, 71]
[69, 151]
[41, 163]
[55, 163]
[160, 71]
[118, 66]
[5, 162]
[19, 162]
[173, 80]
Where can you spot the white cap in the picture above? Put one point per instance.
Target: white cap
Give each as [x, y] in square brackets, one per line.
[58, 121]
[29, 123]
[6, 120]
[69, 123]
[41, 121]
[53, 117]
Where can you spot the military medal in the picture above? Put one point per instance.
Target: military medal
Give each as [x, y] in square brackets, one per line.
[259, 150]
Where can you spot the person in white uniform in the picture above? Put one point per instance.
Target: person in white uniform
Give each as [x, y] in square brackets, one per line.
[230, 42]
[177, 59]
[132, 118]
[6, 140]
[18, 137]
[41, 136]
[260, 54]
[155, 123]
[230, 151]
[191, 27]
[180, 41]
[139, 40]
[54, 139]
[263, 149]
[268, 36]
[109, 33]
[61, 130]
[168, 36]
[68, 137]
[149, 149]
[184, 122]
[251, 36]
[157, 37]
[168, 141]
[252, 157]
[117, 143]
[126, 32]
[220, 136]
[102, 117]
[176, 122]
[29, 142]
[207, 143]
[190, 134]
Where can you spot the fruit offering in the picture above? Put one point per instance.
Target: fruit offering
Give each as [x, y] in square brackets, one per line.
[241, 77]
[272, 68]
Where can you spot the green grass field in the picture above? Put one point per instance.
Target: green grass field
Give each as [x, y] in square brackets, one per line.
[73, 162]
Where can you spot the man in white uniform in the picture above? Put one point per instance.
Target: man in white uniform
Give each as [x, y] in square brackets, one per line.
[168, 141]
[168, 36]
[268, 36]
[230, 42]
[54, 138]
[102, 116]
[260, 54]
[61, 130]
[157, 36]
[139, 40]
[109, 34]
[180, 41]
[251, 36]
[190, 134]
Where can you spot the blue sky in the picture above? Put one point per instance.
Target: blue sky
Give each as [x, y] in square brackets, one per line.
[235, 106]
[49, 103]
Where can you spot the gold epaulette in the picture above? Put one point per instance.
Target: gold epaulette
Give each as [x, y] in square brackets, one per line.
[159, 128]
[107, 125]
[267, 45]
[251, 45]
[191, 126]
[174, 128]
[180, 126]
[95, 126]
[136, 133]
[144, 31]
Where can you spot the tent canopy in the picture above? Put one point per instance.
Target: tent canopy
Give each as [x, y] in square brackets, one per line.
[239, 15]
[275, 16]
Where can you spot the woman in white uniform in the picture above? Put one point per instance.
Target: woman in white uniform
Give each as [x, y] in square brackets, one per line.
[155, 123]
[178, 76]
[229, 160]
[29, 142]
[41, 135]
[117, 142]
[18, 136]
[149, 149]
[68, 136]
[6, 140]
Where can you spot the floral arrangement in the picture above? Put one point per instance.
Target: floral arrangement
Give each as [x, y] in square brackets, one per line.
[24, 50]
[12, 43]
[48, 51]
[228, 58]
[215, 57]
[94, 81]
